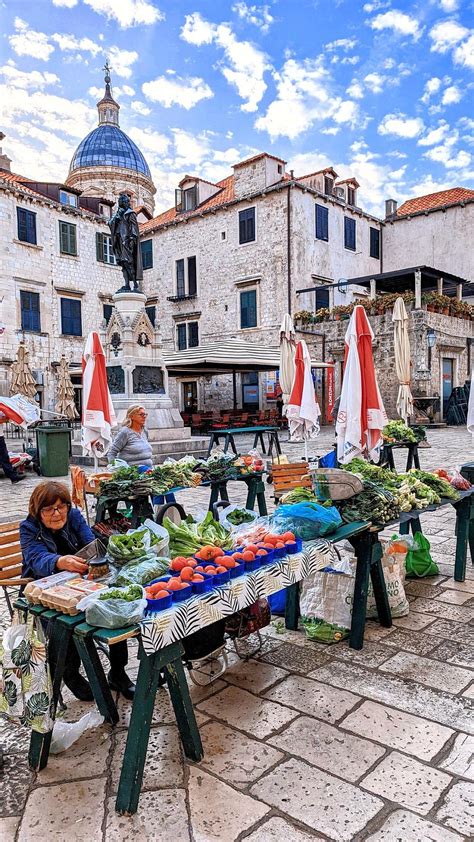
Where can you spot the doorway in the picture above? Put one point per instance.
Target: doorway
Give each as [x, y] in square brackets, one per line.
[190, 396]
[447, 381]
[250, 390]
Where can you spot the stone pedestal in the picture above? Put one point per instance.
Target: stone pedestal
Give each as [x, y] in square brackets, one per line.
[136, 374]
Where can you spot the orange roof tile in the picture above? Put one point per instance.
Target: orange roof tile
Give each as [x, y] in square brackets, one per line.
[18, 181]
[318, 172]
[222, 197]
[435, 200]
[348, 181]
[257, 158]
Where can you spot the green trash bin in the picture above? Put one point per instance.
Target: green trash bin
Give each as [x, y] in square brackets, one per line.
[53, 449]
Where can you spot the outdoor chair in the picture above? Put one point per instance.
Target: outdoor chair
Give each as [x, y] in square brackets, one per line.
[290, 476]
[11, 559]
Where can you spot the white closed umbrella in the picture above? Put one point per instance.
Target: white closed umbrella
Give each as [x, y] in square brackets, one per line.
[470, 407]
[402, 360]
[98, 414]
[303, 409]
[287, 358]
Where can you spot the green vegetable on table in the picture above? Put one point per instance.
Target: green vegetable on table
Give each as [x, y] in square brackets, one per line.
[188, 537]
[126, 547]
[399, 431]
[238, 516]
[129, 594]
[298, 495]
[142, 571]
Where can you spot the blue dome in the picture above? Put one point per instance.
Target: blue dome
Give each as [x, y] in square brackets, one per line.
[109, 146]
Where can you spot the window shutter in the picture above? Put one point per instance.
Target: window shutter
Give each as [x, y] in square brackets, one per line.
[30, 310]
[375, 243]
[178, 200]
[99, 246]
[72, 229]
[22, 231]
[71, 321]
[147, 253]
[107, 311]
[349, 233]
[151, 313]
[181, 335]
[193, 335]
[251, 225]
[31, 227]
[248, 309]
[180, 288]
[322, 223]
[192, 278]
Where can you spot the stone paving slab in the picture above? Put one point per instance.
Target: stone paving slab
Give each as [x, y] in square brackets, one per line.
[429, 672]
[407, 782]
[247, 712]
[313, 698]
[162, 817]
[217, 811]
[405, 826]
[234, 757]
[64, 811]
[457, 810]
[460, 760]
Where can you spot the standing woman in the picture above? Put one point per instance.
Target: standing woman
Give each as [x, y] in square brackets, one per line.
[131, 443]
[50, 537]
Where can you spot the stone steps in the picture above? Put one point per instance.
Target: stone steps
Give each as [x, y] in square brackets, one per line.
[174, 447]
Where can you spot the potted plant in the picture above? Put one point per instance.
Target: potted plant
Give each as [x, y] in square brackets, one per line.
[304, 317]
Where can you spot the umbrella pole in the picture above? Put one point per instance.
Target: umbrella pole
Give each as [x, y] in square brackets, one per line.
[234, 387]
[305, 450]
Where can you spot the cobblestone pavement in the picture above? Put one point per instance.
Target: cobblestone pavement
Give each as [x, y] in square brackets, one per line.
[301, 741]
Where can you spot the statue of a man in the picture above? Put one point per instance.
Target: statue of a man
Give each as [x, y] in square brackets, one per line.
[126, 244]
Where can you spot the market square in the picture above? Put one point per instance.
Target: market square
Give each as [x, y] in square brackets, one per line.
[236, 423]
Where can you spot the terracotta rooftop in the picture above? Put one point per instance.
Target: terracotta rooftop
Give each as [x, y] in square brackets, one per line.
[24, 183]
[431, 201]
[257, 158]
[222, 197]
[319, 172]
[18, 181]
[348, 181]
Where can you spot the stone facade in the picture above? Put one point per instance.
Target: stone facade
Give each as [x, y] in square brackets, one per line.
[43, 269]
[110, 182]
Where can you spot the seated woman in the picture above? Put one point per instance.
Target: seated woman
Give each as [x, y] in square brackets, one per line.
[131, 443]
[50, 537]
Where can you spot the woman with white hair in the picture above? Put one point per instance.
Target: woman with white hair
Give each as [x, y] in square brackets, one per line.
[131, 442]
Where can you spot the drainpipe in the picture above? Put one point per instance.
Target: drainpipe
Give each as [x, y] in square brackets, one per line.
[288, 242]
[381, 249]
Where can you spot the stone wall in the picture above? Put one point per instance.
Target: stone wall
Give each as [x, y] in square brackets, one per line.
[44, 270]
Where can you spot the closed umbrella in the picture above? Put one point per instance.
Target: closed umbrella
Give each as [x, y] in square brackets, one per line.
[470, 407]
[303, 411]
[402, 360]
[98, 415]
[22, 380]
[287, 359]
[19, 410]
[65, 405]
[361, 416]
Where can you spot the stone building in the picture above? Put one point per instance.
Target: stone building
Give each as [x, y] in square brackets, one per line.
[232, 257]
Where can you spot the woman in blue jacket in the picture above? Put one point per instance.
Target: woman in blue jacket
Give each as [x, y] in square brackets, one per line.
[50, 537]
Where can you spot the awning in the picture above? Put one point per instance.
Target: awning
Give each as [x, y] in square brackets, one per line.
[226, 356]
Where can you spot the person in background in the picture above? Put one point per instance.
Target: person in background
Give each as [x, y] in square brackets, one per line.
[5, 463]
[50, 537]
[131, 442]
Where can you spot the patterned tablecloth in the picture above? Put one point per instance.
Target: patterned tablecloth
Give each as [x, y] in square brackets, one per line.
[184, 618]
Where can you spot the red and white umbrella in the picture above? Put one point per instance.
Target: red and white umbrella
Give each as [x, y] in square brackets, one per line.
[98, 415]
[361, 416]
[19, 410]
[303, 410]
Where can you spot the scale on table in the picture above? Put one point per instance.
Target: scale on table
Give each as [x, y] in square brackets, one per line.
[334, 484]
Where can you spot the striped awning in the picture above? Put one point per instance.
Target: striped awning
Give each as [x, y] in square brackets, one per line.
[228, 355]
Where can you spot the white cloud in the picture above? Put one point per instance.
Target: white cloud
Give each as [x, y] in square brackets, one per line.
[355, 90]
[127, 12]
[121, 61]
[451, 95]
[304, 96]
[345, 44]
[446, 34]
[398, 22]
[117, 91]
[376, 5]
[435, 135]
[149, 141]
[28, 42]
[140, 108]
[20, 79]
[389, 63]
[448, 5]
[464, 54]
[256, 15]
[246, 64]
[432, 86]
[67, 4]
[332, 130]
[446, 155]
[74, 118]
[197, 31]
[401, 125]
[175, 90]
[375, 82]
[350, 60]
[70, 42]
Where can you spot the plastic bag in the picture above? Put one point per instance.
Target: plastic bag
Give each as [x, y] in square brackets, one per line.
[141, 571]
[329, 460]
[308, 520]
[115, 613]
[328, 596]
[232, 527]
[418, 560]
[67, 733]
[393, 567]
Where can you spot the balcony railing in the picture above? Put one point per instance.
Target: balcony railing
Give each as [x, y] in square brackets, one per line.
[183, 297]
[382, 304]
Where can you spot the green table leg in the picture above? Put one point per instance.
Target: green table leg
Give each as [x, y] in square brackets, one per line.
[363, 550]
[463, 532]
[214, 495]
[292, 607]
[183, 709]
[262, 503]
[97, 680]
[40, 743]
[251, 493]
[378, 584]
[471, 540]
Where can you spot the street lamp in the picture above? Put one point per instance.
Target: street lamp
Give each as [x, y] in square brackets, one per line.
[431, 339]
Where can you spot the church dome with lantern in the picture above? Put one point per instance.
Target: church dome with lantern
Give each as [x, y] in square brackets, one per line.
[107, 162]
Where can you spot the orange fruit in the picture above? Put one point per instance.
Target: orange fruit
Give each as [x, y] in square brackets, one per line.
[237, 556]
[197, 578]
[248, 556]
[174, 584]
[187, 574]
[287, 536]
[251, 548]
[183, 585]
[279, 545]
[177, 564]
[199, 569]
[221, 569]
[261, 552]
[218, 551]
[161, 595]
[211, 570]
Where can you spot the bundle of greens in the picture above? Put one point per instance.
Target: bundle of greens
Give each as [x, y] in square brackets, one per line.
[126, 484]
[142, 571]
[179, 474]
[239, 516]
[436, 483]
[128, 594]
[298, 495]
[399, 431]
[187, 538]
[122, 548]
[375, 503]
[218, 468]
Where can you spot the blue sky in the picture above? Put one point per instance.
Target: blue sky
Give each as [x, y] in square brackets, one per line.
[381, 90]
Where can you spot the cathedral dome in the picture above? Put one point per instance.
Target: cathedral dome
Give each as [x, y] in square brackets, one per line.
[109, 146]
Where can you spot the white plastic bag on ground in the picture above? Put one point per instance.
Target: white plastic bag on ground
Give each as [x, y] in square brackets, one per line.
[67, 733]
[394, 575]
[232, 527]
[329, 596]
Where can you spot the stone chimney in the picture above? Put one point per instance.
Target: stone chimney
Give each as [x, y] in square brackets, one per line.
[390, 207]
[5, 161]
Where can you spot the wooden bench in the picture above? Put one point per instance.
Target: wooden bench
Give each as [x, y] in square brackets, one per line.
[290, 476]
[11, 560]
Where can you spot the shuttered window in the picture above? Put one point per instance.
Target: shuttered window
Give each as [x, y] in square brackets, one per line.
[248, 309]
[321, 299]
[26, 226]
[247, 226]
[147, 253]
[180, 284]
[322, 223]
[71, 320]
[103, 248]
[193, 335]
[107, 312]
[375, 243]
[67, 238]
[151, 313]
[30, 311]
[349, 233]
[192, 276]
[181, 337]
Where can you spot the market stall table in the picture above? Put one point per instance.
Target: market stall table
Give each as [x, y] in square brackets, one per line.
[386, 455]
[258, 432]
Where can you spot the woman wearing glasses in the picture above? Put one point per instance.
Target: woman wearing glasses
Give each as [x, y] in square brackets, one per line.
[131, 443]
[50, 537]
